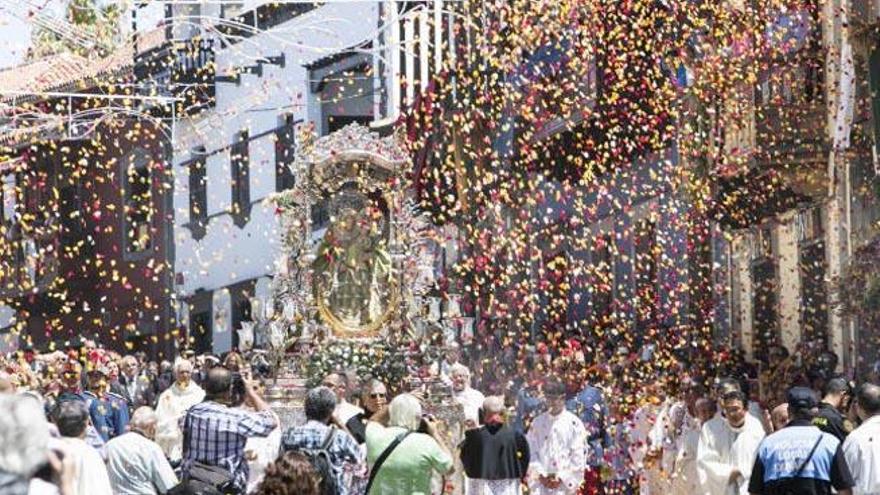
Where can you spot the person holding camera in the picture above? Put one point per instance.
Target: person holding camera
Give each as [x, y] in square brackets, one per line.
[402, 459]
[215, 433]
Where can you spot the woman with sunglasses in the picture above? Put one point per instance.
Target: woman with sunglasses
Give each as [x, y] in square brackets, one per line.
[374, 396]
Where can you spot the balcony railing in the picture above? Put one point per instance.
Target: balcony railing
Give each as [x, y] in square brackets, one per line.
[791, 121]
[790, 108]
[192, 75]
[183, 69]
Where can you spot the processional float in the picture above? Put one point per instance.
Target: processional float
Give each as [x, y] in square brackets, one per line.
[356, 268]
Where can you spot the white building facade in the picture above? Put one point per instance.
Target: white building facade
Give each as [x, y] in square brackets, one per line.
[232, 156]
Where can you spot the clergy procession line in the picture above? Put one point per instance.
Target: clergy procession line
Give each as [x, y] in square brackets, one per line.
[93, 423]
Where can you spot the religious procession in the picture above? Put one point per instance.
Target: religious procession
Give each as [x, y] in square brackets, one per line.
[425, 247]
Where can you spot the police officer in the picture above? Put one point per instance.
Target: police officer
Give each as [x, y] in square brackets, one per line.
[835, 402]
[800, 458]
[109, 411]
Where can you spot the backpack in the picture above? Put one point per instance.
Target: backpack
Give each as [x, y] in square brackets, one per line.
[320, 460]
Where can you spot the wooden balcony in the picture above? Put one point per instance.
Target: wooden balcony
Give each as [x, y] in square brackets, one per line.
[183, 69]
[790, 126]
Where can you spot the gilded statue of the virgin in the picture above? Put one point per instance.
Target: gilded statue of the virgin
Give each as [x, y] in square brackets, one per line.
[353, 280]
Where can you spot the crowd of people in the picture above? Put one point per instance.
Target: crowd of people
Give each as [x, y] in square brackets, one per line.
[92, 422]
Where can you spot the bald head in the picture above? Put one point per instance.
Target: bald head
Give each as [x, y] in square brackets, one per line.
[868, 398]
[779, 416]
[144, 421]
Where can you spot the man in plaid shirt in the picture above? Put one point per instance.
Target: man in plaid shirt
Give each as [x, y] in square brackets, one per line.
[215, 433]
[344, 453]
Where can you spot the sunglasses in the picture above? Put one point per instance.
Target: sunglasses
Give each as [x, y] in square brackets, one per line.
[377, 396]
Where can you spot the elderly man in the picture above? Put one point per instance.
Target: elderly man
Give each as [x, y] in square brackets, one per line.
[495, 457]
[317, 435]
[135, 463]
[470, 399]
[173, 403]
[861, 448]
[727, 448]
[137, 388]
[558, 445]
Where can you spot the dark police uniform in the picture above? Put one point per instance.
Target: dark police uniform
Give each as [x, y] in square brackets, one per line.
[109, 414]
[781, 454]
[831, 421]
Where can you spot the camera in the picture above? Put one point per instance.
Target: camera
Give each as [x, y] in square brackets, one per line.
[238, 388]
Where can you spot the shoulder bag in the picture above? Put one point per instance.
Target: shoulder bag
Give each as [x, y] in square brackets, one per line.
[382, 458]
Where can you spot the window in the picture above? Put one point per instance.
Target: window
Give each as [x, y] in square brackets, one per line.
[603, 280]
[138, 202]
[812, 267]
[285, 150]
[320, 215]
[646, 274]
[228, 10]
[765, 318]
[810, 227]
[241, 187]
[198, 194]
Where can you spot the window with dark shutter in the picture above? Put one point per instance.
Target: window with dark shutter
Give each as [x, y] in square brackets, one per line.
[765, 290]
[241, 187]
[138, 202]
[285, 148]
[198, 194]
[603, 280]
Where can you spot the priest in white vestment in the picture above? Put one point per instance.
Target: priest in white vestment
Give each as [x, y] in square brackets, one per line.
[470, 399]
[172, 405]
[641, 450]
[727, 448]
[685, 478]
[558, 446]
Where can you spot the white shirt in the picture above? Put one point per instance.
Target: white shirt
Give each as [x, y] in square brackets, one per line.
[685, 478]
[137, 466]
[558, 445]
[346, 410]
[266, 450]
[862, 451]
[472, 400]
[492, 487]
[91, 475]
[173, 403]
[722, 449]
[643, 421]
